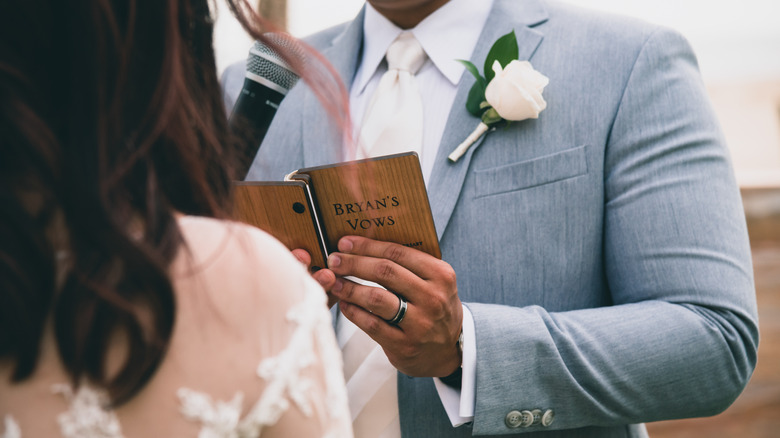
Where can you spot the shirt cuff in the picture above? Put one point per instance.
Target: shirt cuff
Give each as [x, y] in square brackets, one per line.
[460, 404]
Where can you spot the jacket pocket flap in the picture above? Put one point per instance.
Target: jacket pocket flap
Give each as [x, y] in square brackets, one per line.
[531, 173]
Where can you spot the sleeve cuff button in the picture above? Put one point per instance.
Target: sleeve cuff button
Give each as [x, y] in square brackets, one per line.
[513, 419]
[548, 417]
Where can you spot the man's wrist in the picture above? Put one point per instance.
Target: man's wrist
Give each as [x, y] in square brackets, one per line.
[455, 379]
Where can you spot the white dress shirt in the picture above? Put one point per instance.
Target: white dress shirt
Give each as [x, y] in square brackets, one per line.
[448, 34]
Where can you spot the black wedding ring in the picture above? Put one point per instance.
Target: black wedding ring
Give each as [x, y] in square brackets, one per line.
[399, 316]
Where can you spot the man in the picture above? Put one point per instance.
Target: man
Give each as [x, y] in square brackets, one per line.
[596, 257]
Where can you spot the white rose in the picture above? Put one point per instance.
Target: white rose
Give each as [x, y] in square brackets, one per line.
[516, 91]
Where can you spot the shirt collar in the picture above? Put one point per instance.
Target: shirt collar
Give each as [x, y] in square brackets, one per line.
[461, 21]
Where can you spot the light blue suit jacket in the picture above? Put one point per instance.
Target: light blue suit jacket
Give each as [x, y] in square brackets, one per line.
[601, 248]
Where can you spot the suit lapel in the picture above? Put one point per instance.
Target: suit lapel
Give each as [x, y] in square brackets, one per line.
[321, 139]
[447, 178]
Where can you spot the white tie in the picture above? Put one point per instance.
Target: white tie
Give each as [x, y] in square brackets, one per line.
[393, 120]
[371, 384]
[392, 124]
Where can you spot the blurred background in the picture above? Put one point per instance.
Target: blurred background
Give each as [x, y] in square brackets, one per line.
[738, 47]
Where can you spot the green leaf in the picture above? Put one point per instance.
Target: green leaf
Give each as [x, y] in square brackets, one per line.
[473, 69]
[477, 92]
[504, 51]
[475, 99]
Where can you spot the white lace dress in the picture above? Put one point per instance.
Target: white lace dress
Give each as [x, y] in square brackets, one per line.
[304, 380]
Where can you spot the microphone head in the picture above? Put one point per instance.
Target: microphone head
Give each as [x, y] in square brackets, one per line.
[268, 68]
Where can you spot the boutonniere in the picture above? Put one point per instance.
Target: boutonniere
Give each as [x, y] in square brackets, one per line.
[511, 90]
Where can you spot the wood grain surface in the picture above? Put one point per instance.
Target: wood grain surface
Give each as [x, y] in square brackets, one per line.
[283, 210]
[381, 198]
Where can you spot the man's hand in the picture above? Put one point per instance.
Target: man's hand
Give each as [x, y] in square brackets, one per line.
[325, 277]
[423, 344]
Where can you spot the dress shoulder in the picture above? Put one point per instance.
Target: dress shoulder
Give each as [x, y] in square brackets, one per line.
[252, 353]
[264, 292]
[236, 258]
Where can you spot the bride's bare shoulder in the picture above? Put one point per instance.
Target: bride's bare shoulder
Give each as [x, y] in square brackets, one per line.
[234, 258]
[208, 239]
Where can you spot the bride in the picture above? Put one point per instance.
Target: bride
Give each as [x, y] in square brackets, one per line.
[129, 305]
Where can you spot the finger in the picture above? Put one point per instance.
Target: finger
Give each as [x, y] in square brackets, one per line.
[378, 301]
[326, 278]
[420, 263]
[379, 330]
[303, 256]
[389, 274]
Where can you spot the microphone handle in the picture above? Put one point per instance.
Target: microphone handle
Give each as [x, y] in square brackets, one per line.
[252, 114]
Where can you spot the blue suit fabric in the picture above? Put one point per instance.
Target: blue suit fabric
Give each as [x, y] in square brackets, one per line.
[601, 248]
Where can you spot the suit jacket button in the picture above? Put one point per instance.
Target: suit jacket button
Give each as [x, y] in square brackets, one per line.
[513, 419]
[528, 418]
[537, 417]
[548, 417]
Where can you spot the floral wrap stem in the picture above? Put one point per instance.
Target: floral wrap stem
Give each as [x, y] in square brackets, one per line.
[463, 147]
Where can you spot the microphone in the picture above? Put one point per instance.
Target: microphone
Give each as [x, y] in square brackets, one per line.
[268, 79]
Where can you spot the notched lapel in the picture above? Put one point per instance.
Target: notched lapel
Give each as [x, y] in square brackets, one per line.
[447, 178]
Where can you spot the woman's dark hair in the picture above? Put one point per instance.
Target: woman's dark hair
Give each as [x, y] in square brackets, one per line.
[111, 120]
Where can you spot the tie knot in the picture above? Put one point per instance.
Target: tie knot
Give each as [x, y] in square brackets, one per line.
[405, 54]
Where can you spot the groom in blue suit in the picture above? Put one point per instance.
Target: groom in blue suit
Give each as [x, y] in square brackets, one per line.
[600, 251]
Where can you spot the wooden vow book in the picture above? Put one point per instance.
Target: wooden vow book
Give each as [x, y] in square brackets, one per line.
[382, 198]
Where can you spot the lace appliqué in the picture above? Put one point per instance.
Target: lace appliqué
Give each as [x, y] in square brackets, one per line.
[11, 428]
[218, 421]
[86, 417]
[283, 374]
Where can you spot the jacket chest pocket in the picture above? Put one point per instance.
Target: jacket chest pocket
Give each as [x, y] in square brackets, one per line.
[539, 171]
